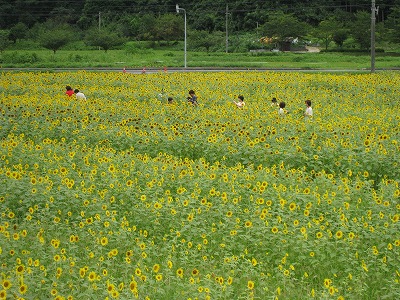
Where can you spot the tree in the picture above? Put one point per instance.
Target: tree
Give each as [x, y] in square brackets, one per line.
[138, 18]
[144, 27]
[284, 27]
[206, 22]
[203, 39]
[4, 41]
[18, 31]
[106, 38]
[252, 20]
[339, 36]
[129, 25]
[53, 36]
[168, 28]
[64, 14]
[326, 30]
[393, 24]
[361, 29]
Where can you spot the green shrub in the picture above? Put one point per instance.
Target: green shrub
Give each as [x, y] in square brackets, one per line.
[170, 54]
[25, 45]
[19, 58]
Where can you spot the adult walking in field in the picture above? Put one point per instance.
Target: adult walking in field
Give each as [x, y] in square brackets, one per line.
[79, 95]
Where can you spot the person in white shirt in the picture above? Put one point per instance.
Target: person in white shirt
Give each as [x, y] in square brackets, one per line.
[79, 95]
[282, 111]
[240, 103]
[309, 111]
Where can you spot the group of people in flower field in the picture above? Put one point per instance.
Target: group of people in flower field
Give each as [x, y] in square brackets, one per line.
[192, 99]
[282, 111]
[78, 94]
[241, 104]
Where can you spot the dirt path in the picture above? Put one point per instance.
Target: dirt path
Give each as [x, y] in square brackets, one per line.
[312, 49]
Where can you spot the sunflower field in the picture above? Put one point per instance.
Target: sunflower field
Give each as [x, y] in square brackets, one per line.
[125, 196]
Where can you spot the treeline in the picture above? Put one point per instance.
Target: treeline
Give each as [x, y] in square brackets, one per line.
[109, 23]
[202, 14]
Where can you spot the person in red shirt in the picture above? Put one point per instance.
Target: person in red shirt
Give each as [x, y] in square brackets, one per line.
[69, 91]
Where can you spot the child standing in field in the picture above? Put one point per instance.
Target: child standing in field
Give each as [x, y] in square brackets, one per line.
[274, 102]
[309, 111]
[282, 111]
[69, 91]
[79, 95]
[240, 103]
[192, 98]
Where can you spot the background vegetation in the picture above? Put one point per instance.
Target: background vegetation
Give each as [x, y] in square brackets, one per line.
[213, 26]
[134, 59]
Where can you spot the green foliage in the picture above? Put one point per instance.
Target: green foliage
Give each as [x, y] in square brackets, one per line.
[393, 25]
[282, 26]
[106, 38]
[339, 36]
[139, 54]
[53, 35]
[4, 40]
[327, 30]
[20, 58]
[158, 22]
[54, 39]
[26, 44]
[200, 40]
[142, 20]
[126, 196]
[361, 30]
[144, 26]
[168, 27]
[18, 31]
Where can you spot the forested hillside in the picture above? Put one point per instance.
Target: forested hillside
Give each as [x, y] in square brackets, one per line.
[207, 21]
[203, 13]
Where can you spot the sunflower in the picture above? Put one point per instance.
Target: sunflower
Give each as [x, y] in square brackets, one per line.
[104, 241]
[179, 273]
[156, 268]
[6, 284]
[159, 277]
[250, 285]
[133, 286]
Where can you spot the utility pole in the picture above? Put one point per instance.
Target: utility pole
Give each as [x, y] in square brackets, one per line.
[184, 11]
[99, 24]
[226, 29]
[374, 12]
